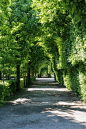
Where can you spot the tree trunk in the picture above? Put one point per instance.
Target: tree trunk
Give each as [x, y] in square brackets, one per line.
[35, 74]
[3, 73]
[0, 75]
[32, 73]
[18, 77]
[28, 74]
[25, 80]
[9, 77]
[54, 77]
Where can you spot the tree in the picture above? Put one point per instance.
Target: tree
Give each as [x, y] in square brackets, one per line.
[18, 30]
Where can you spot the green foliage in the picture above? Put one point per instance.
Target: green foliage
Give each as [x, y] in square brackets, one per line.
[71, 80]
[12, 85]
[37, 56]
[44, 32]
[67, 75]
[1, 92]
[78, 52]
[82, 81]
[7, 89]
[75, 79]
[32, 79]
[63, 24]
[21, 83]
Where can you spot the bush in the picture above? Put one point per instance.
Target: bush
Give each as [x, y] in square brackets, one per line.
[32, 79]
[4, 91]
[82, 81]
[21, 83]
[7, 88]
[59, 76]
[67, 79]
[71, 80]
[12, 85]
[75, 79]
[1, 92]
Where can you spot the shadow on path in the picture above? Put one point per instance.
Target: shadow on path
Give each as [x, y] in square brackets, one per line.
[45, 105]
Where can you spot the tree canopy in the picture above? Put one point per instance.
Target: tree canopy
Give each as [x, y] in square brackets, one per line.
[36, 33]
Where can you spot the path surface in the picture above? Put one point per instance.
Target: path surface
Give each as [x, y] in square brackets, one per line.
[45, 105]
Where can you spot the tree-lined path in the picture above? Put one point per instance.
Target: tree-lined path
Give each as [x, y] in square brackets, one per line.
[45, 105]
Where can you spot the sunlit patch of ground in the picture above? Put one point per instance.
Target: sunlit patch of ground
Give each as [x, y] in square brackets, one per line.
[20, 100]
[47, 89]
[76, 113]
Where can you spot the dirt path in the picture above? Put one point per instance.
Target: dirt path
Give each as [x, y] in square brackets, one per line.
[45, 105]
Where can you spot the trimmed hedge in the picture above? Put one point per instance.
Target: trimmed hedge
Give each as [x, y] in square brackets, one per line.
[71, 80]
[82, 81]
[74, 79]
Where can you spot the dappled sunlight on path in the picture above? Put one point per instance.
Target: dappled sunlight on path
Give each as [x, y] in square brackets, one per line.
[47, 89]
[45, 105]
[44, 79]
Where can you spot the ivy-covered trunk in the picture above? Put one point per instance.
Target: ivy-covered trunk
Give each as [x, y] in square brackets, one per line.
[18, 77]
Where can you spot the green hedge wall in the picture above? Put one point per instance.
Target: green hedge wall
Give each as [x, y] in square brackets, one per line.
[71, 80]
[72, 51]
[65, 29]
[74, 79]
[82, 81]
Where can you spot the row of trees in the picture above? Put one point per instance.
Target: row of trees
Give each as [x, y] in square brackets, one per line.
[34, 33]
[19, 39]
[64, 34]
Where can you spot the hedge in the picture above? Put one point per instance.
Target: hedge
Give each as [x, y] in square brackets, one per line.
[74, 79]
[8, 88]
[32, 79]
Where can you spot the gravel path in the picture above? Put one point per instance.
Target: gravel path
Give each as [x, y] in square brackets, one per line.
[45, 105]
